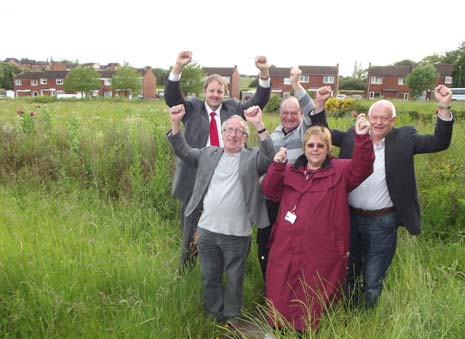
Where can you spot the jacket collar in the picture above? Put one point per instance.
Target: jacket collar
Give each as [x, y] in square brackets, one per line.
[302, 161]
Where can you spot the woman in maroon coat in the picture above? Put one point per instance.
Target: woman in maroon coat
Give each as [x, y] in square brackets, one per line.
[310, 239]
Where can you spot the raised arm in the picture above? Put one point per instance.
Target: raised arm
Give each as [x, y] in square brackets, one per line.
[173, 92]
[262, 94]
[255, 116]
[176, 139]
[441, 139]
[305, 101]
[363, 157]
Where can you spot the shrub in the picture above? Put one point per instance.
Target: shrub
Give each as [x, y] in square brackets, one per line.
[273, 104]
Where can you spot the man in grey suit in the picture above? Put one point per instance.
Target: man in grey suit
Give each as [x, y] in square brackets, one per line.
[227, 186]
[197, 126]
[388, 198]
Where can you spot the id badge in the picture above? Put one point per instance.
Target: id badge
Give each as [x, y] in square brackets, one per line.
[290, 216]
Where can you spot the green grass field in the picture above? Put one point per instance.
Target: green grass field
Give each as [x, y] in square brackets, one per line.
[89, 234]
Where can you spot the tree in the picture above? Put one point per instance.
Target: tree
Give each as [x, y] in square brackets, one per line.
[161, 75]
[422, 78]
[192, 79]
[433, 59]
[83, 79]
[359, 72]
[406, 62]
[127, 79]
[7, 75]
[351, 83]
[457, 59]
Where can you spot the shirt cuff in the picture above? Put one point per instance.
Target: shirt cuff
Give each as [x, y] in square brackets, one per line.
[299, 94]
[264, 83]
[174, 77]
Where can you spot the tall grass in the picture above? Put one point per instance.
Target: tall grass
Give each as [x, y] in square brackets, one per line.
[89, 234]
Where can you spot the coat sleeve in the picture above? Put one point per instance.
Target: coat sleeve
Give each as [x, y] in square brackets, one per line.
[182, 150]
[436, 142]
[173, 93]
[265, 156]
[306, 106]
[361, 165]
[260, 98]
[272, 184]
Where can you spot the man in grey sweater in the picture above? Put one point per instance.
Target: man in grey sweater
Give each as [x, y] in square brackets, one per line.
[227, 185]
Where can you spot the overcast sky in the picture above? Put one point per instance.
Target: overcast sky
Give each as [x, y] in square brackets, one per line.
[227, 33]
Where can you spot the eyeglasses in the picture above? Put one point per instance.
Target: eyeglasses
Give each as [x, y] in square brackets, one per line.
[376, 118]
[232, 130]
[318, 145]
[292, 114]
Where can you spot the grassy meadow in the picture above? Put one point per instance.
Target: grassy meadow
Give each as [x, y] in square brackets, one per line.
[89, 234]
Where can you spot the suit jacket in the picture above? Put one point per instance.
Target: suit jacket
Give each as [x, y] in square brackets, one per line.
[197, 128]
[253, 163]
[400, 147]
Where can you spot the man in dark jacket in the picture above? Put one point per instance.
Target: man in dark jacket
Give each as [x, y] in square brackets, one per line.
[202, 118]
[388, 198]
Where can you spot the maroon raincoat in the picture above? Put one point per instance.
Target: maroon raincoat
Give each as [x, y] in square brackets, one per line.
[308, 258]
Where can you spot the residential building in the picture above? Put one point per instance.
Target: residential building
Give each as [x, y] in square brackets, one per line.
[312, 78]
[389, 81]
[47, 83]
[51, 83]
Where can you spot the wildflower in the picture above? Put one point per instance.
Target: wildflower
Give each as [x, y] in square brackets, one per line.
[354, 114]
[20, 112]
[32, 113]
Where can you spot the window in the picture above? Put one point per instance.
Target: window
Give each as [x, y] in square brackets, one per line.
[376, 80]
[448, 79]
[107, 82]
[304, 78]
[328, 79]
[227, 79]
[43, 81]
[18, 82]
[400, 81]
[405, 96]
[287, 81]
[60, 91]
[59, 81]
[34, 82]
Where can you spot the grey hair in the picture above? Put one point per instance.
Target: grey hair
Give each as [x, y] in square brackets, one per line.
[241, 119]
[385, 103]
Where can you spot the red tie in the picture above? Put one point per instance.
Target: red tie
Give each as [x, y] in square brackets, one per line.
[214, 140]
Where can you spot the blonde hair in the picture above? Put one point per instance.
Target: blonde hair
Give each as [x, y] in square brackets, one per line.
[218, 78]
[322, 133]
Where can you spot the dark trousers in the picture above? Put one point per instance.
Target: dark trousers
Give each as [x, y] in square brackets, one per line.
[218, 254]
[263, 236]
[188, 228]
[373, 241]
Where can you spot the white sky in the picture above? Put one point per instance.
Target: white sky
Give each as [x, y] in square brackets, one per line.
[227, 33]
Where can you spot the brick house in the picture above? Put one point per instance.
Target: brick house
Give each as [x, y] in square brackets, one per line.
[51, 83]
[29, 65]
[47, 83]
[232, 77]
[389, 81]
[149, 84]
[312, 78]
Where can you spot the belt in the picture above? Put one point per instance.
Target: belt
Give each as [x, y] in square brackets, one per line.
[373, 213]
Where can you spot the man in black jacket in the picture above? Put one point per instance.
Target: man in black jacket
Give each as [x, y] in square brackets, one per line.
[197, 128]
[388, 198]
